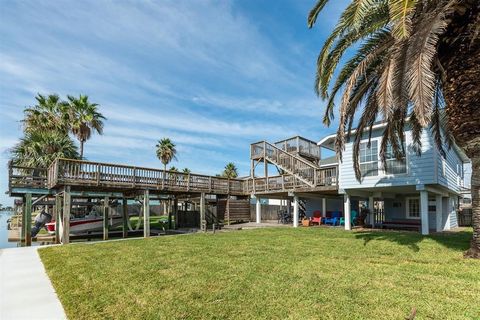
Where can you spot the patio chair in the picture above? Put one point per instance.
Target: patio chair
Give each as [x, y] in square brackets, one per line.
[353, 217]
[334, 219]
[317, 217]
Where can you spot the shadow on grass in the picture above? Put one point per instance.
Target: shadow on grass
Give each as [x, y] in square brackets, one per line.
[458, 241]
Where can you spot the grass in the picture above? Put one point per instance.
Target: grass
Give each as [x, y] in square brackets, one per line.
[275, 273]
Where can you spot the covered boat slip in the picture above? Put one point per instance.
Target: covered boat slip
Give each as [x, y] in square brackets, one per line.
[110, 185]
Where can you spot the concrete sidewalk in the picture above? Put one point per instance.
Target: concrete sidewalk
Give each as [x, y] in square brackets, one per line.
[25, 289]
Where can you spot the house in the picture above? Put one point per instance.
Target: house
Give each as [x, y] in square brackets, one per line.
[419, 192]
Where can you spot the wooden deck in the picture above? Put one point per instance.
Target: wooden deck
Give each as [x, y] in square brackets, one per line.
[90, 176]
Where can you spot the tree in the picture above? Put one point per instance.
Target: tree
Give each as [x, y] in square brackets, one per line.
[166, 152]
[84, 118]
[414, 56]
[230, 171]
[38, 149]
[50, 113]
[186, 170]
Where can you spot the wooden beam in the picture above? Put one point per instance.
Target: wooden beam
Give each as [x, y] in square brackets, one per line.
[28, 219]
[66, 215]
[170, 226]
[57, 212]
[146, 214]
[125, 217]
[175, 212]
[203, 222]
[106, 211]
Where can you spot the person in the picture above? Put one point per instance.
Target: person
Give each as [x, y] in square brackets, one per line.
[40, 220]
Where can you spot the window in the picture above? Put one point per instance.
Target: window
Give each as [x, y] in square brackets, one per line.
[369, 159]
[392, 165]
[413, 208]
[443, 167]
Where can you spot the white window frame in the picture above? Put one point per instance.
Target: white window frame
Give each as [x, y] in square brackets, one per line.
[384, 169]
[379, 169]
[407, 208]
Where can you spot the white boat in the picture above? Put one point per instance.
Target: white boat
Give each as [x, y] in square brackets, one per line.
[87, 224]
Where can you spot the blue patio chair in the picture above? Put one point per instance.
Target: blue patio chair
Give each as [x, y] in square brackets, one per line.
[334, 220]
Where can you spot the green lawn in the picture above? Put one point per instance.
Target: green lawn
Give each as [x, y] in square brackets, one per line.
[276, 273]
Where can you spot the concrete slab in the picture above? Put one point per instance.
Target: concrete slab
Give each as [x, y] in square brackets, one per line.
[25, 289]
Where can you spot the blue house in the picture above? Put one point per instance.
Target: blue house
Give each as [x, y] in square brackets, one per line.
[419, 192]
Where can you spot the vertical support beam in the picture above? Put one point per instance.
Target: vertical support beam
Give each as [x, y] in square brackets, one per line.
[67, 202]
[438, 213]
[295, 211]
[24, 218]
[170, 225]
[450, 207]
[227, 209]
[371, 208]
[28, 219]
[125, 217]
[57, 213]
[106, 211]
[258, 210]
[146, 214]
[203, 223]
[175, 212]
[347, 212]
[324, 207]
[424, 211]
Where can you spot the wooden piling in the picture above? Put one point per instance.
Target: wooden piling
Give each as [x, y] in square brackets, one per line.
[203, 222]
[125, 217]
[106, 211]
[146, 214]
[28, 219]
[67, 200]
[175, 212]
[57, 210]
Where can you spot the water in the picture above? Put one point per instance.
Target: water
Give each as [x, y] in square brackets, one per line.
[4, 216]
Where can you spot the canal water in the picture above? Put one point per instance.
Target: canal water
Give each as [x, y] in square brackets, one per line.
[4, 216]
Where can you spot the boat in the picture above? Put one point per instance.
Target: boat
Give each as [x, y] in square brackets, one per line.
[87, 223]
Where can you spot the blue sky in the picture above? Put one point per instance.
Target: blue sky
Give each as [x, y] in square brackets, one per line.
[213, 76]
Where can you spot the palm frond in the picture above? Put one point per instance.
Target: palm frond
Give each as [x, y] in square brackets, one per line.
[401, 12]
[312, 16]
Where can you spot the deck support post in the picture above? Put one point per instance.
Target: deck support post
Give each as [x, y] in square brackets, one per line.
[106, 211]
[438, 213]
[175, 212]
[424, 211]
[67, 202]
[57, 215]
[125, 218]
[295, 211]
[371, 208]
[28, 219]
[170, 211]
[324, 207]
[146, 214]
[347, 212]
[203, 222]
[258, 210]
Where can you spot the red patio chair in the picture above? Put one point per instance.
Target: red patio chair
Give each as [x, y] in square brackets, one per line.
[317, 217]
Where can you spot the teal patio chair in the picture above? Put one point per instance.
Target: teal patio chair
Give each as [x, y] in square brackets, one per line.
[353, 218]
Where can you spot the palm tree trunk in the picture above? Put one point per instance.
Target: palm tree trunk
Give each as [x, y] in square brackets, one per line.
[460, 58]
[81, 149]
[164, 175]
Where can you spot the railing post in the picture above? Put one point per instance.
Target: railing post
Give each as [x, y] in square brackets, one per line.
[315, 177]
[228, 187]
[210, 184]
[135, 176]
[188, 182]
[283, 182]
[98, 174]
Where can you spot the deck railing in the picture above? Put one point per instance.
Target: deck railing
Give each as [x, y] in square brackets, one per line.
[293, 164]
[299, 145]
[26, 177]
[327, 177]
[86, 173]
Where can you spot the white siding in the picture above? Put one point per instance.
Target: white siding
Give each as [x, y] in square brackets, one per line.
[451, 178]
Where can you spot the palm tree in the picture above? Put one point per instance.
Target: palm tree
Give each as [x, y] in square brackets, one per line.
[38, 149]
[84, 119]
[48, 114]
[166, 152]
[414, 57]
[186, 170]
[230, 171]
